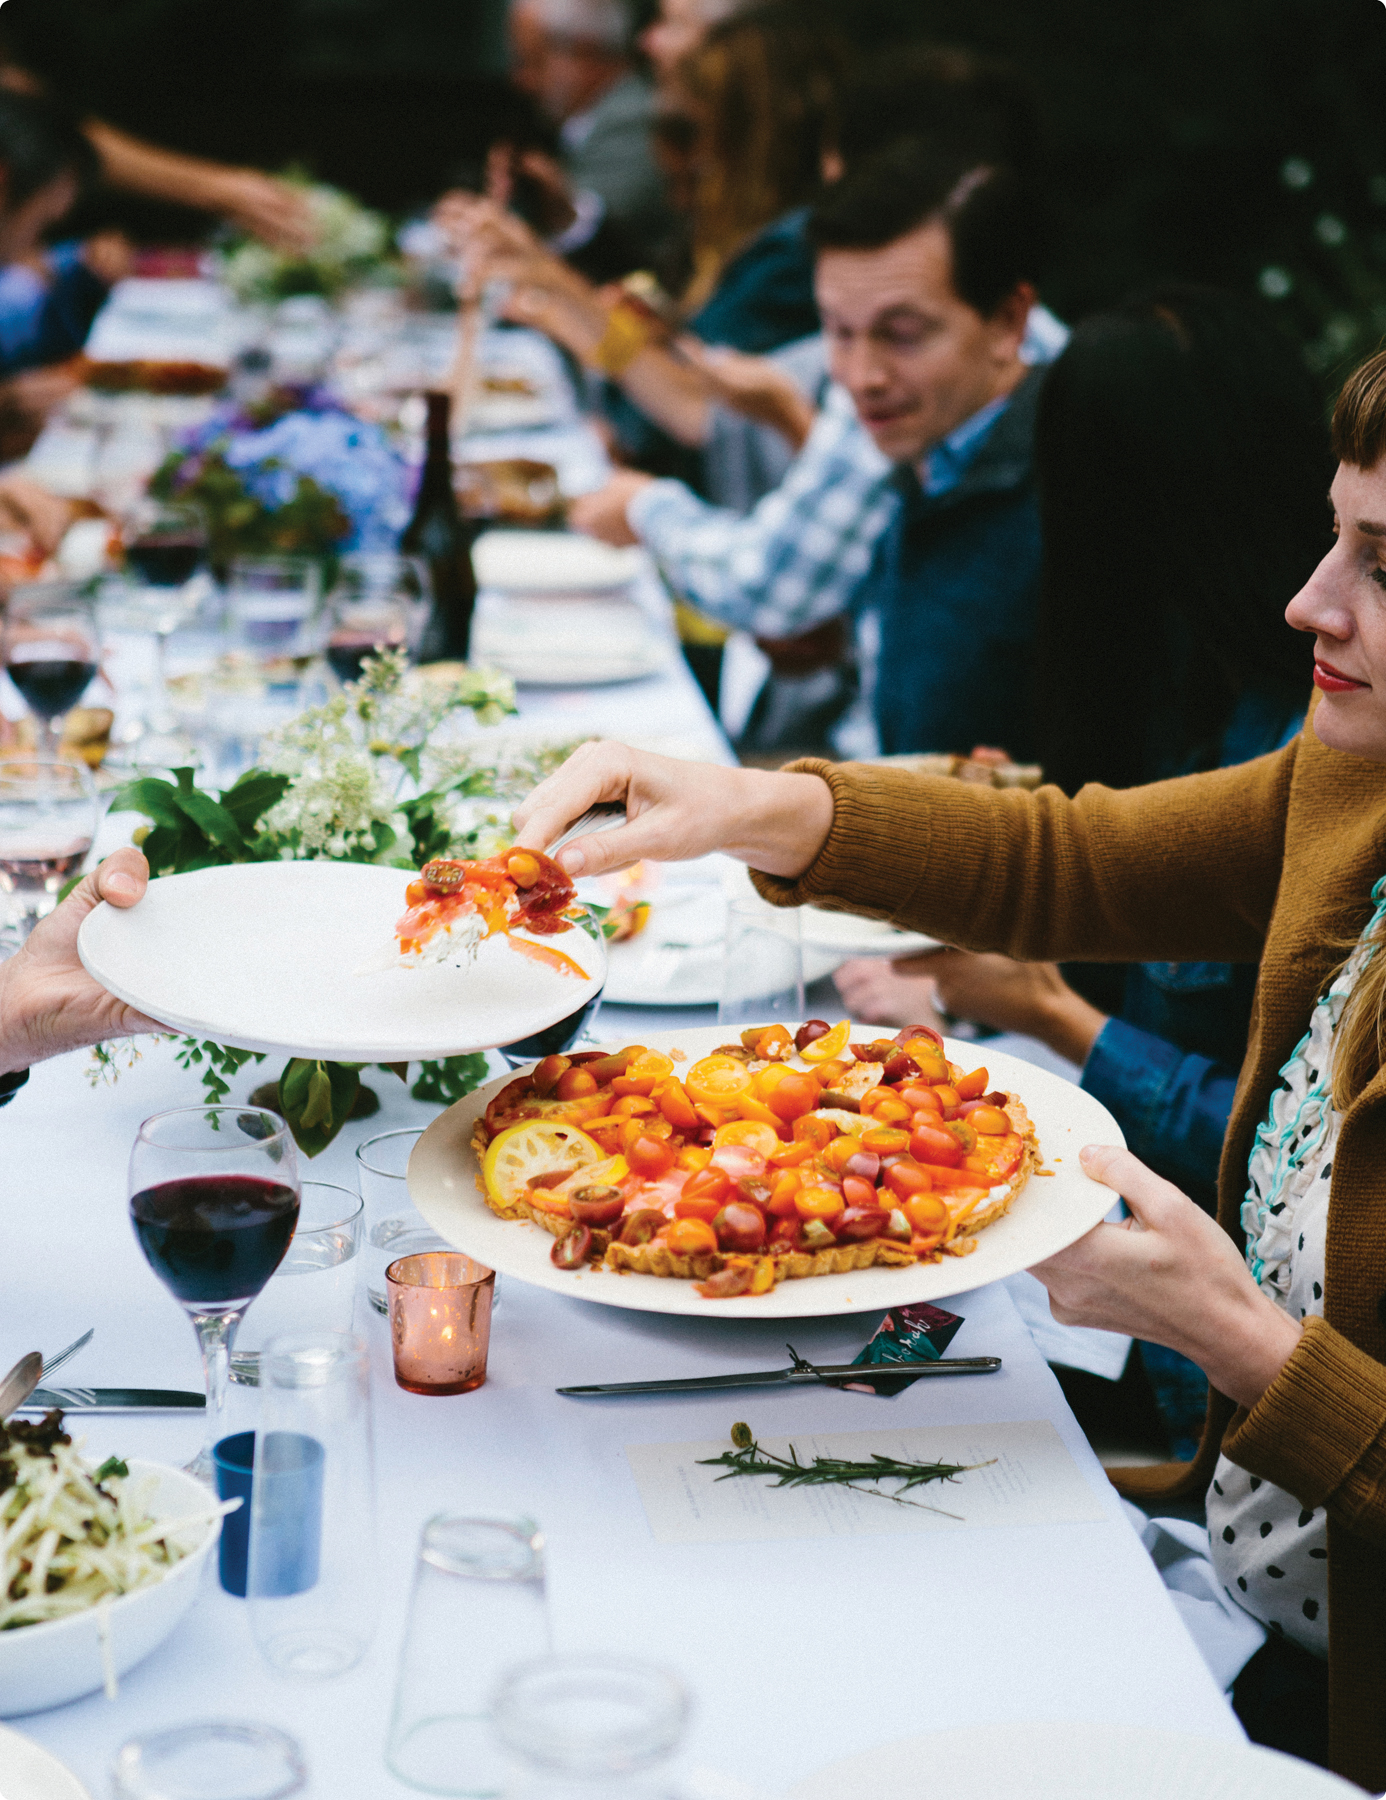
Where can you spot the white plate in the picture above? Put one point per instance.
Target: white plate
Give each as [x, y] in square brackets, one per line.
[1072, 1761]
[552, 562]
[264, 956]
[29, 1772]
[848, 934]
[677, 959]
[60, 1660]
[1051, 1212]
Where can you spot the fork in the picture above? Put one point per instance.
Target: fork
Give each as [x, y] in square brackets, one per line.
[57, 1361]
[596, 818]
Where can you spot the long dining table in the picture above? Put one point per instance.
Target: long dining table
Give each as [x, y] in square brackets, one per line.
[795, 1651]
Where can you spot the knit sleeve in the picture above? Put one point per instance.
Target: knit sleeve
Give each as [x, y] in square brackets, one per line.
[1180, 871]
[1319, 1431]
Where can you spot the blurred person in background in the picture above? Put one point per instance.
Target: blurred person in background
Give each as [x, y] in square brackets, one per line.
[1162, 650]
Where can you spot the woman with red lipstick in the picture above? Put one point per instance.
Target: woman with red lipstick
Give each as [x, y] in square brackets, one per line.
[1282, 1300]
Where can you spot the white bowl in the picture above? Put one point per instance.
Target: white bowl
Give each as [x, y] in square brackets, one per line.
[60, 1660]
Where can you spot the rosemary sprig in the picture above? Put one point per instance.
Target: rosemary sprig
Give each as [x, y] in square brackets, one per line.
[751, 1458]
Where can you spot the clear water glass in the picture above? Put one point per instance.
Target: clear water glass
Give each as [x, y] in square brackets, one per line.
[220, 1760]
[762, 965]
[49, 810]
[589, 1726]
[314, 1288]
[314, 1387]
[477, 1607]
[394, 1225]
[380, 602]
[273, 602]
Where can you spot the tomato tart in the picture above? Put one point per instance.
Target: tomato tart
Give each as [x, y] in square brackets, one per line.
[776, 1158]
[455, 905]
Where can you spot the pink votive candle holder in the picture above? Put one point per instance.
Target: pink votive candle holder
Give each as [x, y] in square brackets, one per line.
[440, 1321]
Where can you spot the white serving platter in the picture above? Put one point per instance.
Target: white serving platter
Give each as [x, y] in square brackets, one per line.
[1071, 1761]
[267, 956]
[29, 1772]
[1052, 1211]
[552, 562]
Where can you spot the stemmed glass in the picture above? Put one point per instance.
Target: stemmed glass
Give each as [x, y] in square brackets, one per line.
[165, 546]
[214, 1195]
[378, 604]
[48, 817]
[49, 647]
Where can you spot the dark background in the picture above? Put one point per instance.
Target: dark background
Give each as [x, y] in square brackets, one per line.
[1169, 122]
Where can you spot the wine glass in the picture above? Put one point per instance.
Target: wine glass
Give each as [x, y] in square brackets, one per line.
[48, 817]
[49, 649]
[165, 546]
[214, 1195]
[379, 603]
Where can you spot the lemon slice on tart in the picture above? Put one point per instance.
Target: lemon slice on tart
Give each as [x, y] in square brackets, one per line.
[534, 1155]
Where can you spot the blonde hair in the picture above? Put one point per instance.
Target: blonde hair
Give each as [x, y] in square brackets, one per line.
[1359, 1042]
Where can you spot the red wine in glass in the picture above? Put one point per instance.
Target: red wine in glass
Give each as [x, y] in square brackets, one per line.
[166, 559]
[214, 1201]
[215, 1239]
[50, 683]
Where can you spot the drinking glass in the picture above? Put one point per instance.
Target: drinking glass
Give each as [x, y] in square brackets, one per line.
[311, 1579]
[440, 1321]
[49, 647]
[325, 1246]
[214, 1194]
[224, 1760]
[380, 602]
[476, 1608]
[48, 816]
[273, 601]
[394, 1225]
[763, 964]
[165, 545]
[587, 1725]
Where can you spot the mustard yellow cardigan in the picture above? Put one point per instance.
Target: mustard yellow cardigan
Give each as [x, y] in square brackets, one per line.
[1272, 861]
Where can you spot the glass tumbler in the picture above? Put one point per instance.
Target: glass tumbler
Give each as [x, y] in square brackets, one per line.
[314, 1288]
[49, 812]
[312, 1507]
[477, 1608]
[584, 1726]
[273, 601]
[762, 965]
[394, 1225]
[224, 1760]
[440, 1321]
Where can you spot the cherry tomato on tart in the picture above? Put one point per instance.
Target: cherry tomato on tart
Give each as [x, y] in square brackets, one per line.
[454, 906]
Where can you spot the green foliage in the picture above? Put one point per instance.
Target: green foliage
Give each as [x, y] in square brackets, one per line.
[316, 1098]
[311, 523]
[196, 830]
[219, 1062]
[441, 1083]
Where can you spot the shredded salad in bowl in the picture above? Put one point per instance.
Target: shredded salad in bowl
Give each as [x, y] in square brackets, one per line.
[71, 1536]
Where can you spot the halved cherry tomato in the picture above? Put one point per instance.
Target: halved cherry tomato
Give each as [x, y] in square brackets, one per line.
[606, 1068]
[857, 1192]
[574, 1082]
[650, 1157]
[690, 1237]
[740, 1227]
[884, 1139]
[932, 1144]
[793, 1156]
[766, 1080]
[794, 1097]
[965, 1134]
[763, 1276]
[597, 1205]
[694, 1157]
[416, 893]
[860, 1222]
[748, 1107]
[772, 1044]
[888, 1109]
[631, 1106]
[642, 1073]
[946, 1096]
[754, 1133]
[726, 1284]
[906, 1177]
[865, 1164]
[700, 1206]
[819, 1203]
[810, 1031]
[717, 1081]
[547, 1072]
[814, 1131]
[640, 1226]
[781, 1202]
[988, 1121]
[571, 1250]
[831, 1044]
[829, 1074]
[840, 1151]
[916, 1096]
[973, 1086]
[926, 1213]
[708, 1184]
[635, 1129]
[933, 1064]
[677, 1108]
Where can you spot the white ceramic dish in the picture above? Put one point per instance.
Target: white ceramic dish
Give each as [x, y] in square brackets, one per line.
[677, 959]
[1071, 1761]
[552, 562]
[60, 1660]
[1051, 1212]
[848, 934]
[29, 1772]
[264, 956]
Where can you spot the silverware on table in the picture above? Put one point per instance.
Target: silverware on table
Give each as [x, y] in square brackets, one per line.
[77, 1399]
[603, 816]
[56, 1362]
[801, 1374]
[21, 1381]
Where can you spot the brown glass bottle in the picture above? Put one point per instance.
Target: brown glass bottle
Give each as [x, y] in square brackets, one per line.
[442, 538]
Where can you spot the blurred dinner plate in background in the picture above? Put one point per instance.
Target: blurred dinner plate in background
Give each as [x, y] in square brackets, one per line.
[29, 1772]
[552, 562]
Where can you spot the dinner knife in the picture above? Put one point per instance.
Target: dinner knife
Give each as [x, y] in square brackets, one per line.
[829, 1373]
[113, 1400]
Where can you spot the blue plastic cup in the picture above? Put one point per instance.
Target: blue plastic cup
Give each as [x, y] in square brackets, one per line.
[292, 1522]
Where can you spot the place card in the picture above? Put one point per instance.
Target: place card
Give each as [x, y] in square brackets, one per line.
[1029, 1478]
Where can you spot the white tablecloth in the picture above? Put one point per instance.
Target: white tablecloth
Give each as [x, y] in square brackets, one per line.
[795, 1652]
